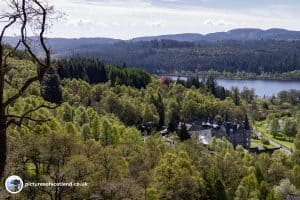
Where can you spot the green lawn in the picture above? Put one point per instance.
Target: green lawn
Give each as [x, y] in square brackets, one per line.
[258, 143]
[262, 127]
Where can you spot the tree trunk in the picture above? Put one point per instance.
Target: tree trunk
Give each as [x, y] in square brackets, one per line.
[3, 136]
[3, 149]
[3, 139]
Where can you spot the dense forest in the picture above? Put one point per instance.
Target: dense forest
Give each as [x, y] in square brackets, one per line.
[168, 56]
[94, 71]
[95, 136]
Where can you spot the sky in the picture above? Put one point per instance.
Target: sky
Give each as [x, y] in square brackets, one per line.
[125, 19]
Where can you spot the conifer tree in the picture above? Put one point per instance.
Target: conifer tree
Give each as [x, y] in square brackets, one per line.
[183, 134]
[219, 190]
[50, 87]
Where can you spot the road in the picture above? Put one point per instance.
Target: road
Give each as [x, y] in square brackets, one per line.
[285, 150]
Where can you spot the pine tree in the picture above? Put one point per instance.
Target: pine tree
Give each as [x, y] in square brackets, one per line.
[246, 123]
[159, 105]
[219, 190]
[51, 90]
[236, 98]
[221, 93]
[173, 116]
[183, 134]
[212, 85]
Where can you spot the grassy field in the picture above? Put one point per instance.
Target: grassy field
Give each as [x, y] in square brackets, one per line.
[262, 127]
[258, 143]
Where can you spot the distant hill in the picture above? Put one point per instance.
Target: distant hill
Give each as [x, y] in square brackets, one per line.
[188, 37]
[235, 34]
[60, 46]
[254, 34]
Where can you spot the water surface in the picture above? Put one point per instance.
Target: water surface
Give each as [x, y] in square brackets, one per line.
[262, 87]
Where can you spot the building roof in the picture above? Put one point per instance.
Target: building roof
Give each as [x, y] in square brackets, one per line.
[292, 197]
[194, 128]
[205, 136]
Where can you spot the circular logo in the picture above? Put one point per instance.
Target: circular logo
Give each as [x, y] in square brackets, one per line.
[14, 184]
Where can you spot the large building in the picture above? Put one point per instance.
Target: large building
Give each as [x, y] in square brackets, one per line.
[237, 134]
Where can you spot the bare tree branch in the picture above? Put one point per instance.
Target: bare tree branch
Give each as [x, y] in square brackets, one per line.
[25, 116]
[24, 34]
[19, 123]
[43, 14]
[12, 20]
[8, 82]
[10, 53]
[44, 66]
[13, 67]
[21, 91]
[42, 39]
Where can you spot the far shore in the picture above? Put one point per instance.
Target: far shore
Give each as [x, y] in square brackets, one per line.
[256, 77]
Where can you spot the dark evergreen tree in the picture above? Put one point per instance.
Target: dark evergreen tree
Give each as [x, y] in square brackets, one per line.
[219, 192]
[226, 117]
[50, 87]
[183, 134]
[180, 81]
[221, 93]
[265, 105]
[159, 105]
[173, 116]
[246, 123]
[259, 175]
[193, 81]
[172, 125]
[236, 97]
[211, 84]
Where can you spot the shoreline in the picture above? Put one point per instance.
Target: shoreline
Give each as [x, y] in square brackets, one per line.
[258, 77]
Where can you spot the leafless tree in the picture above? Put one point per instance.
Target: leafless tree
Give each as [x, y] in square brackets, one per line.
[22, 16]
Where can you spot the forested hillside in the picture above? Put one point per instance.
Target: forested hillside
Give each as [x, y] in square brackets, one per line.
[94, 136]
[248, 50]
[168, 56]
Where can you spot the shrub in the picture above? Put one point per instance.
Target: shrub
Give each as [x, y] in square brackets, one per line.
[265, 141]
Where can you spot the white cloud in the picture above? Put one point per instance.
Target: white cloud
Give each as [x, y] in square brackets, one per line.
[133, 24]
[172, 1]
[155, 24]
[131, 18]
[217, 22]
